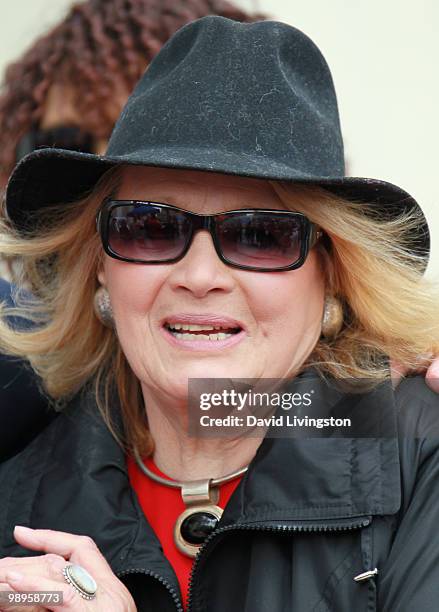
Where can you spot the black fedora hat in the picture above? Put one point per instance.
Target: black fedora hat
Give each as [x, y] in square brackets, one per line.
[255, 100]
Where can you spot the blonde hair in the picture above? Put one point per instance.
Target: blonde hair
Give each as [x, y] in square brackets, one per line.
[390, 309]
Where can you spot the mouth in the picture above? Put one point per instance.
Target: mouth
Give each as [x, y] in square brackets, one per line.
[207, 333]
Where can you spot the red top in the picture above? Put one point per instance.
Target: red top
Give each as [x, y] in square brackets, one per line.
[162, 505]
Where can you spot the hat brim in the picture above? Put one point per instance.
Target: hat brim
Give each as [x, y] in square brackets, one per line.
[54, 176]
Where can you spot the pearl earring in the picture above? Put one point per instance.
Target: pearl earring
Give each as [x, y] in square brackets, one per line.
[102, 307]
[332, 319]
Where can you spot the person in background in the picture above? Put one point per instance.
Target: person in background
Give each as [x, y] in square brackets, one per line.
[67, 90]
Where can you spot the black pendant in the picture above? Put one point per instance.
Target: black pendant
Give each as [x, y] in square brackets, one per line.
[194, 525]
[197, 526]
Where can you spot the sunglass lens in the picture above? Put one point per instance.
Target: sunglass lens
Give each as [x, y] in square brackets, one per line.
[147, 232]
[262, 240]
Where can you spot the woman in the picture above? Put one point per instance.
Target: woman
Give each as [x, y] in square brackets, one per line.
[306, 276]
[43, 102]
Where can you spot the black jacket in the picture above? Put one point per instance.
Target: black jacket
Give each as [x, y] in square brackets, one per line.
[308, 516]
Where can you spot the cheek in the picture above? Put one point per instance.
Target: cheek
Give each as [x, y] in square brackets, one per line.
[132, 289]
[289, 299]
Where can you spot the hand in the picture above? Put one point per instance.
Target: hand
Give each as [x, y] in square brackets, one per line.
[44, 572]
[431, 377]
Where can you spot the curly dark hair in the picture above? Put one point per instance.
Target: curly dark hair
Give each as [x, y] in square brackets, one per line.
[101, 47]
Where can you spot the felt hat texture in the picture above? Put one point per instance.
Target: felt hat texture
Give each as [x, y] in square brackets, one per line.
[249, 99]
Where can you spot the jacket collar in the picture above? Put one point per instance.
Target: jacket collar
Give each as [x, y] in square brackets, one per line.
[355, 472]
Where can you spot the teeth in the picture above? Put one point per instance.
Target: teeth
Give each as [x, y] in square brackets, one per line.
[206, 337]
[193, 327]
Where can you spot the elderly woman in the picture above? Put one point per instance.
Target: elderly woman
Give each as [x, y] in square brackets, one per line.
[219, 238]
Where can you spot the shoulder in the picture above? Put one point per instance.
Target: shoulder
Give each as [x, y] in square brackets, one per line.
[417, 408]
[75, 429]
[409, 575]
[417, 413]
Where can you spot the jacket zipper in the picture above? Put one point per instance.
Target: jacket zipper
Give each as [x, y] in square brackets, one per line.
[175, 597]
[353, 524]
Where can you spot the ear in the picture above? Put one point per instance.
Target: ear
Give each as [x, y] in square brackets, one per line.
[326, 265]
[101, 274]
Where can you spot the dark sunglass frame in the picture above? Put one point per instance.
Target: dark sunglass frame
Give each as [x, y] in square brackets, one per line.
[310, 232]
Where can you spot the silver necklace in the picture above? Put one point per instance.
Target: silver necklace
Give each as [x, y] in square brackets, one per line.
[202, 514]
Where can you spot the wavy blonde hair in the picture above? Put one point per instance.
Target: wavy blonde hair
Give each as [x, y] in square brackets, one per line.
[390, 309]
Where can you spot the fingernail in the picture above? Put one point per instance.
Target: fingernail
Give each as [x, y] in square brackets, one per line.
[23, 529]
[26, 531]
[14, 576]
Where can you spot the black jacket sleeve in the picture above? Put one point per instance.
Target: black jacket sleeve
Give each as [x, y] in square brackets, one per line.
[24, 409]
[409, 579]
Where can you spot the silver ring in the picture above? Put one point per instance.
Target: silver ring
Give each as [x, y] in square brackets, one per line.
[80, 580]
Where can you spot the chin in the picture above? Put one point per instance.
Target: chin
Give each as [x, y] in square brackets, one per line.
[216, 370]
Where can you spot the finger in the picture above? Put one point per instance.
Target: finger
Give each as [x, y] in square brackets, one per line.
[432, 376]
[35, 561]
[71, 599]
[20, 608]
[77, 548]
[49, 565]
[9, 607]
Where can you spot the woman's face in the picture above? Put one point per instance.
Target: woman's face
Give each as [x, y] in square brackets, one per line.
[280, 312]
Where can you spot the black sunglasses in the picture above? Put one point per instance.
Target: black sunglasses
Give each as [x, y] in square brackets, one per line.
[69, 137]
[264, 240]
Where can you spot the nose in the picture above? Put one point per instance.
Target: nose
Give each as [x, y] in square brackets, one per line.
[201, 270]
